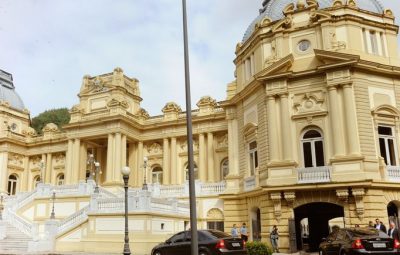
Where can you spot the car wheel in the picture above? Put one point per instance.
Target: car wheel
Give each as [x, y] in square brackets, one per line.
[157, 252]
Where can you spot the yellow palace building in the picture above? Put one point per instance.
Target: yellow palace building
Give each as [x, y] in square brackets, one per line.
[306, 139]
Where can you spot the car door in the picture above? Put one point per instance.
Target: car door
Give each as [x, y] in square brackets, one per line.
[174, 244]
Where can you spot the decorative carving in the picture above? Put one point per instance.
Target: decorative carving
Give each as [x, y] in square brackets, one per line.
[171, 107]
[184, 145]
[59, 159]
[29, 131]
[16, 160]
[388, 12]
[155, 148]
[358, 194]
[142, 113]
[300, 4]
[215, 214]
[337, 3]
[277, 200]
[118, 102]
[312, 4]
[75, 109]
[309, 103]
[4, 103]
[335, 44]
[207, 101]
[50, 127]
[343, 195]
[290, 197]
[352, 3]
[266, 21]
[288, 9]
[287, 23]
[223, 142]
[273, 57]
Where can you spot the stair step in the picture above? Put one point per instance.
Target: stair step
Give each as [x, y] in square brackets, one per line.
[15, 242]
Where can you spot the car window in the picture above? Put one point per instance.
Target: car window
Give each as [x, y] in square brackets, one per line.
[201, 236]
[180, 237]
[218, 234]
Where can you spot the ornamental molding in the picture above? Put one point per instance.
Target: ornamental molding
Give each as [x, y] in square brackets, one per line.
[142, 114]
[358, 194]
[290, 197]
[50, 127]
[223, 142]
[277, 200]
[171, 107]
[155, 149]
[15, 160]
[309, 104]
[343, 195]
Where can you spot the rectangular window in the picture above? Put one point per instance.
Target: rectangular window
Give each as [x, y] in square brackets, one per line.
[365, 40]
[374, 43]
[253, 157]
[387, 145]
[383, 43]
[308, 162]
[319, 153]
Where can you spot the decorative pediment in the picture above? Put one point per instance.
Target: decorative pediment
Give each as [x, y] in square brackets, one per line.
[250, 131]
[330, 57]
[319, 15]
[311, 103]
[389, 13]
[215, 214]
[280, 67]
[387, 111]
[143, 114]
[184, 145]
[75, 109]
[50, 127]
[29, 131]
[114, 102]
[337, 3]
[285, 23]
[154, 149]
[171, 107]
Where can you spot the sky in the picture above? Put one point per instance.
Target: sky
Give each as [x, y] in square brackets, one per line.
[49, 45]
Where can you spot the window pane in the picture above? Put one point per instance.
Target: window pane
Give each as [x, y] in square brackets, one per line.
[253, 145]
[391, 152]
[383, 149]
[311, 134]
[307, 154]
[384, 130]
[255, 159]
[319, 153]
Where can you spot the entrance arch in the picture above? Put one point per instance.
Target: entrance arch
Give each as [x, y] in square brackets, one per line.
[255, 215]
[393, 209]
[318, 216]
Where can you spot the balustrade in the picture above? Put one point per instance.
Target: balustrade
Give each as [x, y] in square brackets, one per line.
[314, 174]
[393, 173]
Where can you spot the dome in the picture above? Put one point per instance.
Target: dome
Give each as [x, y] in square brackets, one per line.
[273, 10]
[8, 93]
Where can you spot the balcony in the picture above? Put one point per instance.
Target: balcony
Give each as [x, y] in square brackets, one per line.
[393, 173]
[320, 174]
[249, 183]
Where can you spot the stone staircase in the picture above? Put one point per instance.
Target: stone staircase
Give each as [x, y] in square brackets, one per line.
[15, 241]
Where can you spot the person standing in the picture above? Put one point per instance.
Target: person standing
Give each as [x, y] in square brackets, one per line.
[243, 232]
[274, 239]
[379, 225]
[234, 231]
[393, 232]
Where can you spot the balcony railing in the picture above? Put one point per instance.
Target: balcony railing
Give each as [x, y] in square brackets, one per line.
[320, 174]
[393, 173]
[250, 183]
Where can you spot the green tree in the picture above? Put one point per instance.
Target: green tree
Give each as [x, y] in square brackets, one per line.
[59, 117]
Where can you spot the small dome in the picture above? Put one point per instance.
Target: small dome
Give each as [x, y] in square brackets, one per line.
[273, 10]
[8, 93]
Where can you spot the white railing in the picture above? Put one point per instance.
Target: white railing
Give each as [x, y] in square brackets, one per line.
[18, 222]
[66, 189]
[171, 190]
[314, 174]
[249, 183]
[106, 193]
[111, 204]
[393, 173]
[73, 220]
[212, 188]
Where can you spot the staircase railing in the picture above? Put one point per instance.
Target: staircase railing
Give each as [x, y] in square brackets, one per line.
[18, 222]
[73, 220]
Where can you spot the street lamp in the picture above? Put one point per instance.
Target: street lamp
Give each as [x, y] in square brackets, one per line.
[53, 215]
[1, 206]
[41, 164]
[125, 171]
[97, 173]
[90, 162]
[145, 159]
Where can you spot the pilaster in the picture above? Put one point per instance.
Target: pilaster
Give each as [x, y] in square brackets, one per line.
[351, 120]
[286, 131]
[210, 157]
[110, 156]
[174, 171]
[336, 122]
[166, 163]
[3, 172]
[272, 129]
[49, 167]
[202, 159]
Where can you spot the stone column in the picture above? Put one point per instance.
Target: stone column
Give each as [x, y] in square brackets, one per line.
[43, 175]
[272, 129]
[210, 157]
[336, 122]
[286, 131]
[76, 160]
[83, 166]
[117, 158]
[140, 164]
[25, 178]
[202, 159]
[69, 162]
[132, 158]
[110, 158]
[49, 168]
[99, 158]
[123, 151]
[351, 120]
[3, 172]
[173, 169]
[166, 170]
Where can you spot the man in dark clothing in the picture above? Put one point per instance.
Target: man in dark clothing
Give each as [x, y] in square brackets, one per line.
[379, 225]
[393, 232]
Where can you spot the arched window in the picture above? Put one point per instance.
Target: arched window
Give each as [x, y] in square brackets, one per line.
[215, 219]
[196, 172]
[157, 175]
[60, 179]
[36, 180]
[224, 168]
[12, 184]
[313, 149]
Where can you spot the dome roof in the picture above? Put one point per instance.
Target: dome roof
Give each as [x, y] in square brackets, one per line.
[8, 93]
[273, 10]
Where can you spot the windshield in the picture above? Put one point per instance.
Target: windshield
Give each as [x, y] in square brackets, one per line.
[218, 234]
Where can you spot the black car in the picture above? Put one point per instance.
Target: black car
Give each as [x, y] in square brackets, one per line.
[348, 241]
[211, 242]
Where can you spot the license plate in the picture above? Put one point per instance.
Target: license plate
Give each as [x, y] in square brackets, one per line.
[235, 244]
[379, 245]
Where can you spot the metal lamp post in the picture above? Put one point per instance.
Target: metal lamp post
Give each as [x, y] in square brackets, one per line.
[145, 159]
[97, 173]
[90, 162]
[53, 215]
[125, 171]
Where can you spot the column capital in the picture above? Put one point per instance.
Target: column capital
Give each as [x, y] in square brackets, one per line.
[347, 85]
[332, 87]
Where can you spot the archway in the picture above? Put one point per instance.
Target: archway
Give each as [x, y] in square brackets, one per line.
[393, 212]
[255, 224]
[318, 216]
